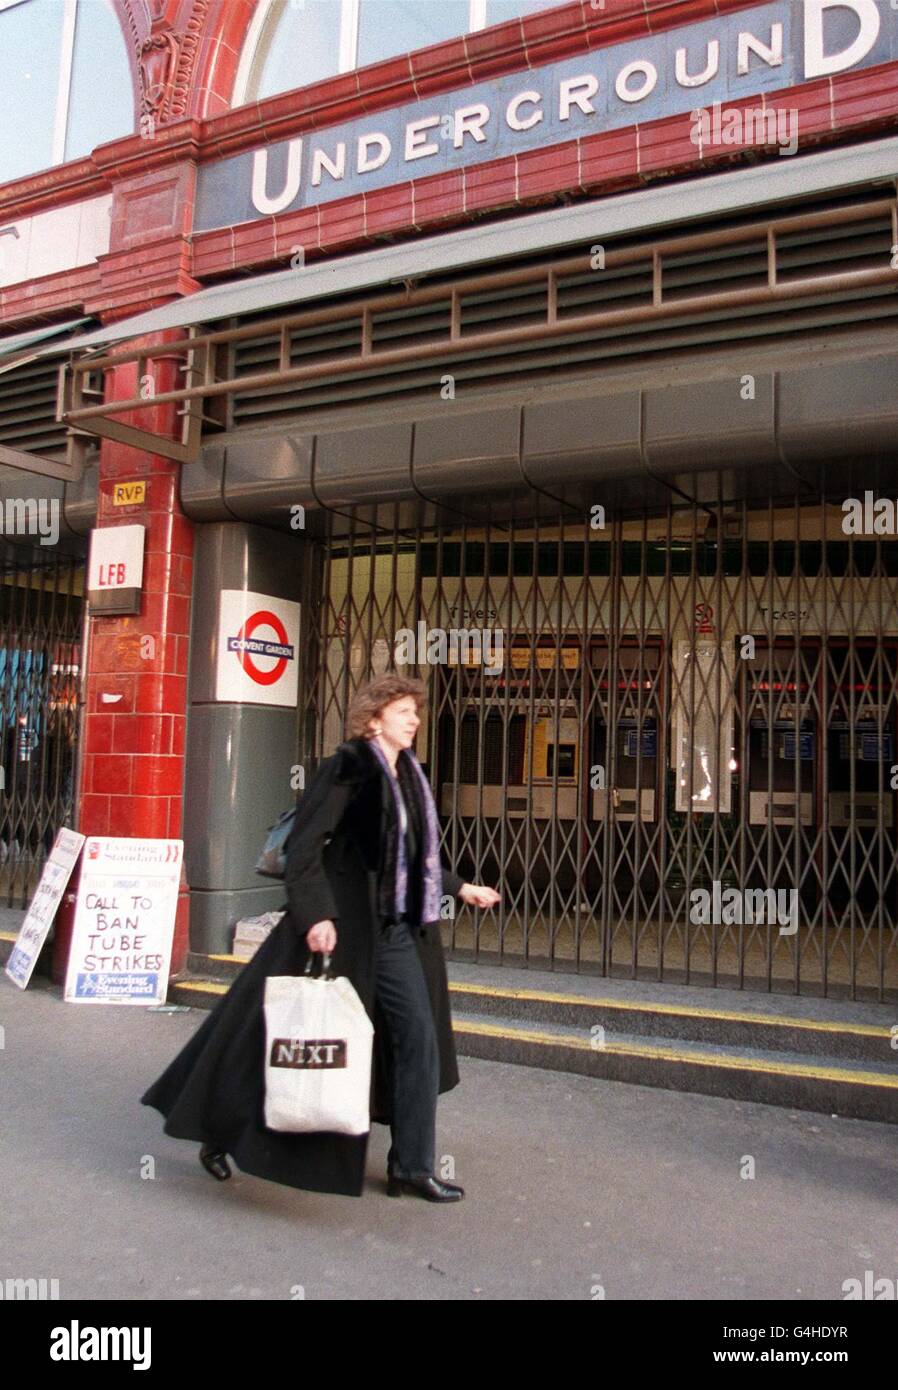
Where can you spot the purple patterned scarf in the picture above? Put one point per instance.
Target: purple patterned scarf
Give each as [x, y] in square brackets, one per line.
[432, 886]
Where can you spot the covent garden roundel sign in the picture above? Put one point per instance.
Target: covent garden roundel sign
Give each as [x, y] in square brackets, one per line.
[726, 59]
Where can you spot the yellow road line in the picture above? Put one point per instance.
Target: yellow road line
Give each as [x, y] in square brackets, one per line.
[863, 1030]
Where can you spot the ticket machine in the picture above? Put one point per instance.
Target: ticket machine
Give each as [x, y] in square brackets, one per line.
[860, 736]
[781, 743]
[626, 687]
[860, 747]
[509, 750]
[520, 755]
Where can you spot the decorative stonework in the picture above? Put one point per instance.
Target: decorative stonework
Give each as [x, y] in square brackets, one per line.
[166, 54]
[180, 95]
[158, 55]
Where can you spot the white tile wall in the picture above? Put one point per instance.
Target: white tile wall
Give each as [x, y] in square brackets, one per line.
[57, 240]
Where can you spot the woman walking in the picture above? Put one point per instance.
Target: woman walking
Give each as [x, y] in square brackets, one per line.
[364, 884]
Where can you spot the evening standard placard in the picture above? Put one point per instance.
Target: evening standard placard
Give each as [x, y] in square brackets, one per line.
[39, 918]
[124, 921]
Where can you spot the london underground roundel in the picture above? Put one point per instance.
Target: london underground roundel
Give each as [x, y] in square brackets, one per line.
[248, 647]
[258, 640]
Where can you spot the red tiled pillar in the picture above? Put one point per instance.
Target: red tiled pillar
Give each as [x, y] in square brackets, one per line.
[132, 774]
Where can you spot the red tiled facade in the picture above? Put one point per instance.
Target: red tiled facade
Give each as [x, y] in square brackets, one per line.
[152, 179]
[133, 764]
[133, 754]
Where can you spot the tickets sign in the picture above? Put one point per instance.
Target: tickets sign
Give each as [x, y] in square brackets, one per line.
[124, 921]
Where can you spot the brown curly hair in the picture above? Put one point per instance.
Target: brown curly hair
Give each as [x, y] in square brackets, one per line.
[370, 699]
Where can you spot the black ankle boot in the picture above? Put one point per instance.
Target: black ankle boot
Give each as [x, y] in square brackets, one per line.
[215, 1161]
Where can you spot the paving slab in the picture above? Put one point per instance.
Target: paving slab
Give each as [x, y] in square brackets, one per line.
[574, 1186]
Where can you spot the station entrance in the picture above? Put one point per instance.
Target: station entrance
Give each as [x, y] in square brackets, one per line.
[702, 700]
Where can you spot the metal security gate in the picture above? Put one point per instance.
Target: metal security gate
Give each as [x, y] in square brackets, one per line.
[669, 737]
[40, 621]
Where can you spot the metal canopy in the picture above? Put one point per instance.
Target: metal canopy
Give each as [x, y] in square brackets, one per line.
[209, 374]
[646, 210]
[17, 350]
[771, 190]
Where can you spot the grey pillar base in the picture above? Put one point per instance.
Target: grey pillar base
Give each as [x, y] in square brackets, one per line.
[214, 915]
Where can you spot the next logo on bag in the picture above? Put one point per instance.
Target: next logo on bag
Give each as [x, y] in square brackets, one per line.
[304, 1052]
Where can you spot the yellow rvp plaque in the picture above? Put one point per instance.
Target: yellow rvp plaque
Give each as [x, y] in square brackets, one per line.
[129, 494]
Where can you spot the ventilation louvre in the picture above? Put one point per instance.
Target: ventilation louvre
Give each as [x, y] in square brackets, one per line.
[28, 396]
[821, 253]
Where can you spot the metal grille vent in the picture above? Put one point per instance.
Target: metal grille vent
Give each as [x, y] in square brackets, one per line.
[28, 402]
[823, 254]
[28, 408]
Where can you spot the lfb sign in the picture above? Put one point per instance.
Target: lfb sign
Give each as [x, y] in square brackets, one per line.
[115, 568]
[258, 643]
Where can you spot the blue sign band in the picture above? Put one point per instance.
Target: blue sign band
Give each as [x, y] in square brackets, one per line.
[693, 68]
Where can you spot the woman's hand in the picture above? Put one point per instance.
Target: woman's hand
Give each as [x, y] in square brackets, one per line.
[478, 895]
[322, 937]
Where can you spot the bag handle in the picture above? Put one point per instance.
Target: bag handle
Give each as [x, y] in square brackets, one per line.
[326, 973]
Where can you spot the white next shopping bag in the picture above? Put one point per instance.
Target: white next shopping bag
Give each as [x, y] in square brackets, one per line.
[318, 1043]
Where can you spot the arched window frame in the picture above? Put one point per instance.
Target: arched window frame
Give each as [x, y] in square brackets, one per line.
[266, 10]
[66, 65]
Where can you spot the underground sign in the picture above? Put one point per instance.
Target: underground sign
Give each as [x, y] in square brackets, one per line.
[258, 637]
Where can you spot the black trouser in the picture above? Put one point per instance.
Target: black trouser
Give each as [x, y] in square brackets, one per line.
[402, 994]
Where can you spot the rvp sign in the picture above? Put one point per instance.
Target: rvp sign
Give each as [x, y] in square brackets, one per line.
[258, 643]
[129, 494]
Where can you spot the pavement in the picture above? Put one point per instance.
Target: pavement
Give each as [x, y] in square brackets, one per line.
[576, 1188]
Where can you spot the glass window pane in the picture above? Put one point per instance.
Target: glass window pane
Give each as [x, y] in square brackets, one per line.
[30, 36]
[498, 11]
[301, 44]
[99, 56]
[388, 27]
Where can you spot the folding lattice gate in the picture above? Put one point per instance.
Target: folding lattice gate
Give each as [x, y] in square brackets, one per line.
[684, 765]
[40, 620]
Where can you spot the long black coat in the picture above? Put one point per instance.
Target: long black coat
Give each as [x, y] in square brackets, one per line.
[214, 1090]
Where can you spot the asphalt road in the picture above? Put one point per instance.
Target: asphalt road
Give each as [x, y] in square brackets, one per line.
[576, 1188]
